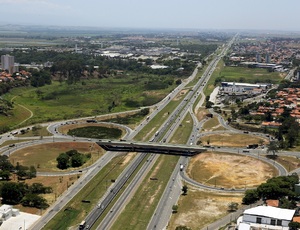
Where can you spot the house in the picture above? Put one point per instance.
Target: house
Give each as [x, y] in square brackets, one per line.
[273, 203]
[6, 211]
[266, 217]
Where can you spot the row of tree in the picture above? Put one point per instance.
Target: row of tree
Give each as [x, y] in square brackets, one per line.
[281, 188]
[23, 172]
[22, 193]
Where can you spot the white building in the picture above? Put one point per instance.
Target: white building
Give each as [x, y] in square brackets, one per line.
[6, 211]
[243, 88]
[266, 217]
[12, 219]
[8, 63]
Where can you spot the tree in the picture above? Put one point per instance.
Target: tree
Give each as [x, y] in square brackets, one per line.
[4, 175]
[232, 206]
[178, 82]
[294, 225]
[63, 161]
[175, 208]
[32, 172]
[209, 104]
[5, 164]
[182, 227]
[12, 193]
[77, 160]
[251, 196]
[184, 189]
[38, 188]
[21, 171]
[34, 200]
[273, 147]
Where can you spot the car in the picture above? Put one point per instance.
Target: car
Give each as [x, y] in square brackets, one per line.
[87, 227]
[12, 145]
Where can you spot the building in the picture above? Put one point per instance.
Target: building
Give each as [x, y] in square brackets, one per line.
[268, 59]
[11, 218]
[8, 63]
[266, 217]
[258, 58]
[6, 211]
[243, 88]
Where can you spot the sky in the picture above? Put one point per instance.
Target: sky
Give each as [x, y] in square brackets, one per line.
[155, 14]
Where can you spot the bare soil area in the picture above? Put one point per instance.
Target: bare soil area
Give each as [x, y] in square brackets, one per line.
[199, 208]
[232, 140]
[201, 114]
[229, 170]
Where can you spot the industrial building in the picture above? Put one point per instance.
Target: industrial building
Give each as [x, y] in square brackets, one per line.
[234, 88]
[266, 217]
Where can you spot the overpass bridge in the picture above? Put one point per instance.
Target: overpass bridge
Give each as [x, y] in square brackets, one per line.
[150, 147]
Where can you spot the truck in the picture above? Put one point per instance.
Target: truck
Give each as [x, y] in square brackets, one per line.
[181, 167]
[82, 225]
[252, 146]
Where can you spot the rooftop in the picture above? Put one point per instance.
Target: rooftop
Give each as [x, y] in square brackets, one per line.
[272, 212]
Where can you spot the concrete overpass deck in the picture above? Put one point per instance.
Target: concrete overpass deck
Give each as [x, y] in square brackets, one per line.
[150, 147]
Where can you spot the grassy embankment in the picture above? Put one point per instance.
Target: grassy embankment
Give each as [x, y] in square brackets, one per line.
[88, 98]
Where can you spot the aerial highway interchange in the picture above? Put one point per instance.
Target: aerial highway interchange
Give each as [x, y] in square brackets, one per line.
[144, 161]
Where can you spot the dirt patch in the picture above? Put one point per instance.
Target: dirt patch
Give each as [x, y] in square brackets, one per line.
[201, 114]
[128, 157]
[200, 207]
[232, 140]
[229, 170]
[180, 95]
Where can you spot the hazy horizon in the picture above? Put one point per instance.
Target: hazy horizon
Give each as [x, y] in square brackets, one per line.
[136, 14]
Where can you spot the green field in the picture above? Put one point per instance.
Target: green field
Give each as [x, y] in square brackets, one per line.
[241, 74]
[61, 101]
[250, 75]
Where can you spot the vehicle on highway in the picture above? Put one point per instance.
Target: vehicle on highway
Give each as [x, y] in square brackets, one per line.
[82, 225]
[181, 167]
[91, 121]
